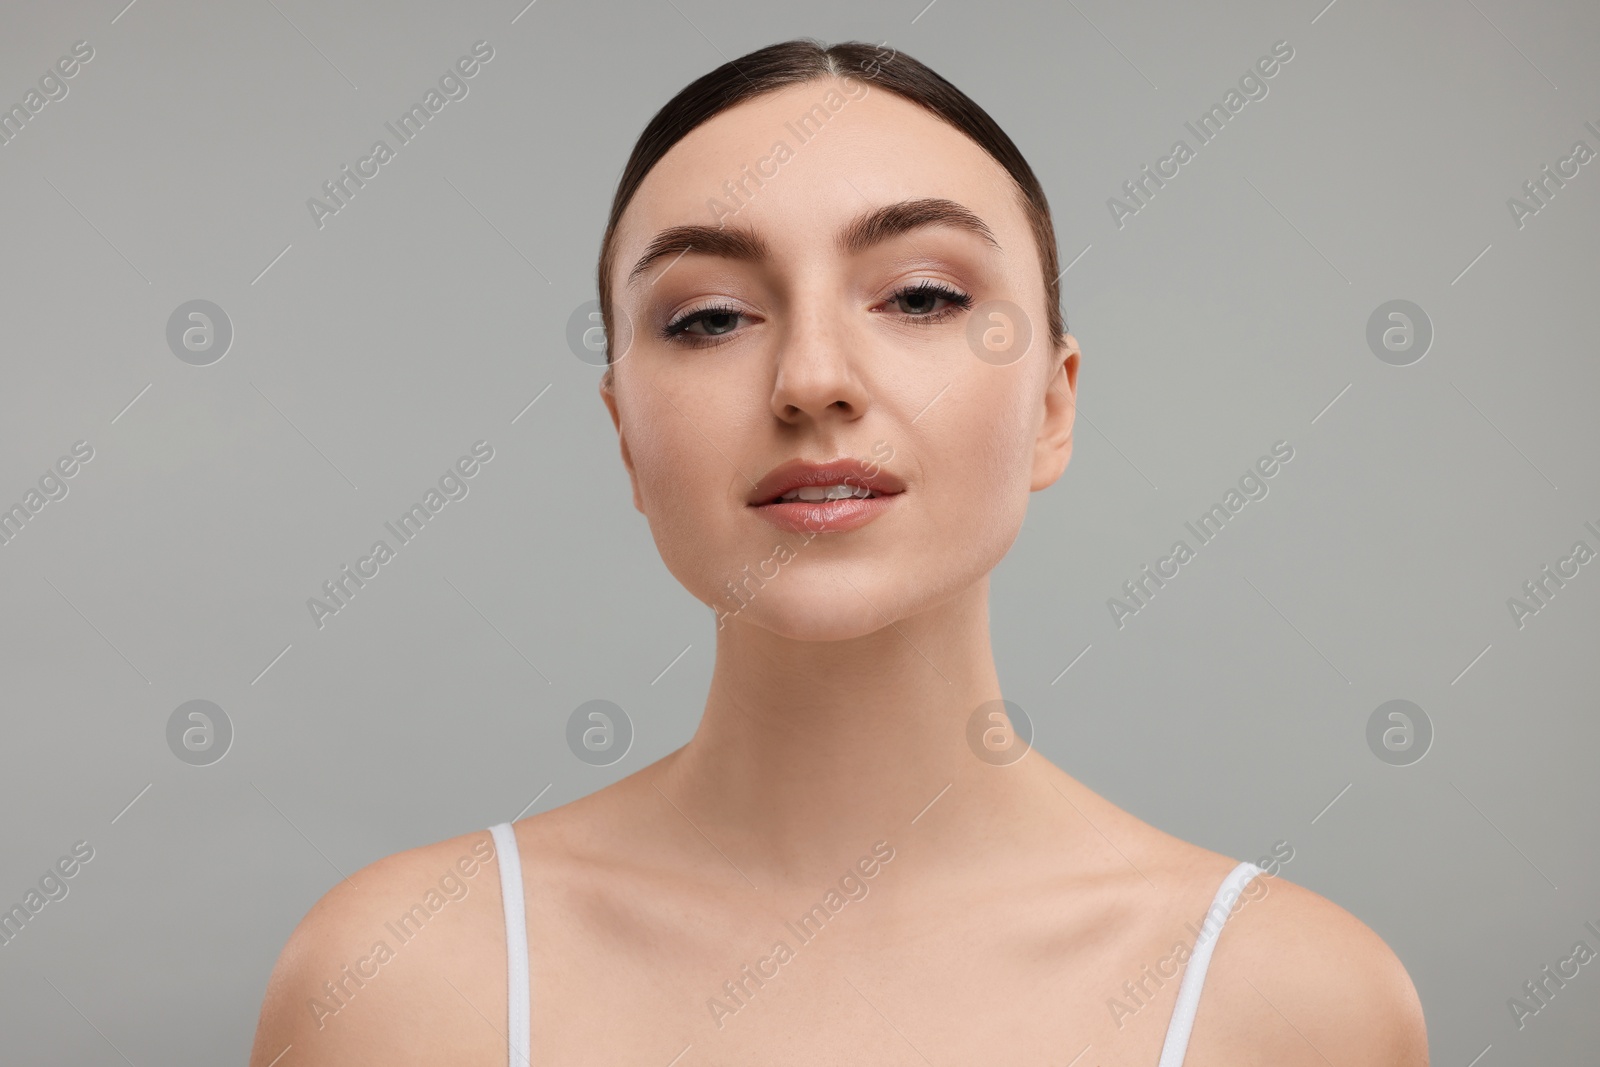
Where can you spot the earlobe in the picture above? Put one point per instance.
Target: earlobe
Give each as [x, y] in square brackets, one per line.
[1053, 446]
[609, 396]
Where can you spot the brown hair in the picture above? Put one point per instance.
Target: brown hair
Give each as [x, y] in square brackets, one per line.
[804, 59]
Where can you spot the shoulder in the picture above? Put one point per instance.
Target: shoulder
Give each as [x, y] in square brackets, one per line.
[1294, 978]
[401, 961]
[1299, 980]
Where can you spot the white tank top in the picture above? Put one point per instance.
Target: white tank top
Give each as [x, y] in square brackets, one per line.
[520, 1003]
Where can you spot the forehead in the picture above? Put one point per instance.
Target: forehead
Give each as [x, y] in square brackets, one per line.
[798, 163]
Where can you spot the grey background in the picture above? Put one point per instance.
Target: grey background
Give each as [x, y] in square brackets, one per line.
[370, 354]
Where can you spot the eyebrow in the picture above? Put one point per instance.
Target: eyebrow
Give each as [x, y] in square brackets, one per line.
[870, 228]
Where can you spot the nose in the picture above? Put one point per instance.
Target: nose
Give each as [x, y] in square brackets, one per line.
[817, 377]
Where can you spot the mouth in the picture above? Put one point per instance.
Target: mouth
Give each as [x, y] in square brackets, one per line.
[824, 484]
[814, 493]
[827, 497]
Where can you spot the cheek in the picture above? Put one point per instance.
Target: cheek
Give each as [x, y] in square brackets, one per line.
[687, 487]
[988, 452]
[977, 468]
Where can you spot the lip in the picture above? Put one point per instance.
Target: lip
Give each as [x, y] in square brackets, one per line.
[799, 473]
[824, 516]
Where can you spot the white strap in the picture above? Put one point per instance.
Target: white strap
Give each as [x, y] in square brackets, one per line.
[1194, 971]
[518, 1004]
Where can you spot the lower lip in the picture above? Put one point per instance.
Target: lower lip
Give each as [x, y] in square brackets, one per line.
[826, 516]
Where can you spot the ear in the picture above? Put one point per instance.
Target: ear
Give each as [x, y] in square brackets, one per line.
[608, 394]
[1053, 447]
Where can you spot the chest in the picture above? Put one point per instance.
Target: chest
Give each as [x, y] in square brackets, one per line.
[781, 989]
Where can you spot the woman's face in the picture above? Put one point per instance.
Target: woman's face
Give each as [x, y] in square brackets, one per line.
[881, 343]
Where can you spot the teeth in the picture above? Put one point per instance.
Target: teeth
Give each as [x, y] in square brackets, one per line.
[825, 492]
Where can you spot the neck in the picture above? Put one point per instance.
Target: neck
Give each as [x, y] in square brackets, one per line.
[809, 750]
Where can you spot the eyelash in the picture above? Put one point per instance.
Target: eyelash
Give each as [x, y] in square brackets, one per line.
[676, 332]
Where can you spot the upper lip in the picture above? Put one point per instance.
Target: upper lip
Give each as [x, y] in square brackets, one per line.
[847, 471]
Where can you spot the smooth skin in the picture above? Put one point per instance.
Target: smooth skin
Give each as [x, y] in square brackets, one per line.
[1017, 902]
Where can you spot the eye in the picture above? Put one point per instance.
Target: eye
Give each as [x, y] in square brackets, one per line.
[918, 302]
[718, 321]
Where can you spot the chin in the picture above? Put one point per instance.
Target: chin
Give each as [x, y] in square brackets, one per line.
[815, 617]
[820, 605]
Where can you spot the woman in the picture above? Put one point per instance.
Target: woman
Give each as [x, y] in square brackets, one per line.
[837, 369]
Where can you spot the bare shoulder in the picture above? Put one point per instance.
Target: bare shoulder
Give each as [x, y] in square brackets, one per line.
[1296, 979]
[402, 962]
